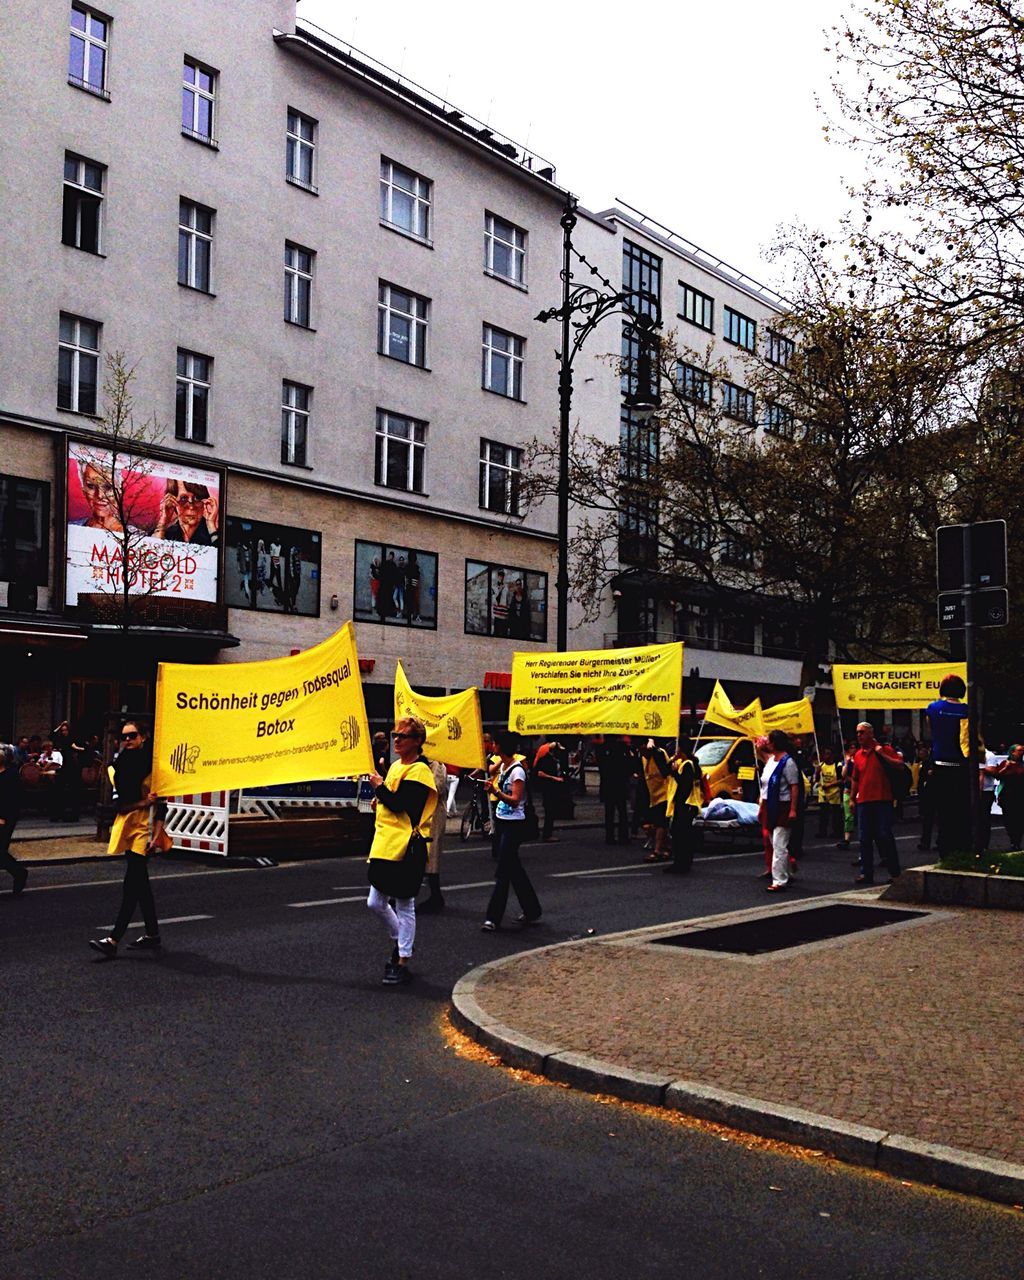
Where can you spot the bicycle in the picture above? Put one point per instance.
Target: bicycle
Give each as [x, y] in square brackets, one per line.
[476, 816]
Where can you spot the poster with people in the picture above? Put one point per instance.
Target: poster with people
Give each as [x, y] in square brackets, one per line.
[505, 601]
[271, 567]
[152, 524]
[395, 585]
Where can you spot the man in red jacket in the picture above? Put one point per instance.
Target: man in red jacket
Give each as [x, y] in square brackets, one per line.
[872, 798]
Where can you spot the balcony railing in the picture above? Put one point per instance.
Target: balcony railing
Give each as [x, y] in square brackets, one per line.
[633, 639]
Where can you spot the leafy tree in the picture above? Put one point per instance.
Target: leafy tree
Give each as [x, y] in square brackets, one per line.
[817, 506]
[935, 88]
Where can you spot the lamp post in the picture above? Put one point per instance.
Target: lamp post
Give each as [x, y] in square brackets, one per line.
[582, 309]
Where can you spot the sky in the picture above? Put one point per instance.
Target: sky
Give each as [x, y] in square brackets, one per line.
[702, 116]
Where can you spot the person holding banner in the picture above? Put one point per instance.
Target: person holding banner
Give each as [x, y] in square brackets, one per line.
[656, 769]
[684, 804]
[130, 834]
[406, 799]
[509, 792]
[872, 797]
[438, 826]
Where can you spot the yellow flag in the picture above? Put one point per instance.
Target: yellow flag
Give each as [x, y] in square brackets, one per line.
[745, 720]
[598, 691]
[249, 724]
[908, 686]
[793, 717]
[455, 731]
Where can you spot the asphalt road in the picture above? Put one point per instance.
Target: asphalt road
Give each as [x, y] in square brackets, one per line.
[253, 1103]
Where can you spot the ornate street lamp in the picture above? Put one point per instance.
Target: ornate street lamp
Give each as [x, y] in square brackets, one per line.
[583, 308]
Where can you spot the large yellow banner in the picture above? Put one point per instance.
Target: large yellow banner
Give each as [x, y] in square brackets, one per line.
[248, 724]
[745, 720]
[793, 717]
[455, 731]
[598, 691]
[908, 686]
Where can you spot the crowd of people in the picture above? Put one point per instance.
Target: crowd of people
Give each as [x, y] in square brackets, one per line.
[657, 789]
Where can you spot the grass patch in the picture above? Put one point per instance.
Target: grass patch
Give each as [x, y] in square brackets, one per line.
[991, 863]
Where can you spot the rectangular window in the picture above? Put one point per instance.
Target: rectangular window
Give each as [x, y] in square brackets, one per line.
[195, 245]
[694, 383]
[740, 330]
[401, 449]
[638, 528]
[506, 601]
[737, 402]
[295, 409]
[504, 249]
[405, 199]
[780, 421]
[83, 202]
[24, 532]
[780, 349]
[199, 86]
[300, 150]
[503, 363]
[639, 443]
[272, 568]
[192, 397]
[78, 364]
[298, 284]
[738, 550]
[696, 307]
[500, 469]
[641, 279]
[402, 319]
[694, 535]
[395, 585]
[87, 57]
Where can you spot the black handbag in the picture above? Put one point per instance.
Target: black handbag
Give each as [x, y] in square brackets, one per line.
[402, 878]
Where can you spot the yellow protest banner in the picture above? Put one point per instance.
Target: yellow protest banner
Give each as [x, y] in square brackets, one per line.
[793, 717]
[598, 691]
[247, 724]
[910, 686]
[455, 731]
[745, 720]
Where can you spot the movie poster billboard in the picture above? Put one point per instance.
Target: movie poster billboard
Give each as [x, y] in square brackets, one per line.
[395, 585]
[273, 568]
[153, 524]
[505, 601]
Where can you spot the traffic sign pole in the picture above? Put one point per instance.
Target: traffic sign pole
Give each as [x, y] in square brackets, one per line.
[974, 776]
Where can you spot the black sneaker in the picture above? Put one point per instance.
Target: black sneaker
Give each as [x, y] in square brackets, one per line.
[146, 942]
[430, 906]
[105, 946]
[396, 975]
[20, 877]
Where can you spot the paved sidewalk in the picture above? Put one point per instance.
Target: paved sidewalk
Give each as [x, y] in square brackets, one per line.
[899, 1048]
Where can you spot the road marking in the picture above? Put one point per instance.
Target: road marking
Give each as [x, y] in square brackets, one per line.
[447, 888]
[174, 875]
[138, 924]
[600, 871]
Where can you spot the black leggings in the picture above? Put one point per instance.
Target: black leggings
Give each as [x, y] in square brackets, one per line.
[510, 873]
[136, 893]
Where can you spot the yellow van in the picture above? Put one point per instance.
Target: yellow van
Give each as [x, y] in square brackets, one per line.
[722, 759]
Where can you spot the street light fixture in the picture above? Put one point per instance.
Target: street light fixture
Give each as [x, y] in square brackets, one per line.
[583, 308]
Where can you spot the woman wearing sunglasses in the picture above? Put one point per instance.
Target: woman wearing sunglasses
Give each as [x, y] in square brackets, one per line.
[130, 834]
[406, 800]
[188, 513]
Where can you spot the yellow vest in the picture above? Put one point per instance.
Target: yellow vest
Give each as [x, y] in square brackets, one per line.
[129, 832]
[696, 797]
[657, 786]
[829, 784]
[392, 830]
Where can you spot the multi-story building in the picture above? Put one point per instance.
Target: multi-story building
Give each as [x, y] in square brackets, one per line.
[325, 280]
[723, 317]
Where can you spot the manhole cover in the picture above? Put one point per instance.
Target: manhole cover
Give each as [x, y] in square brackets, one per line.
[791, 929]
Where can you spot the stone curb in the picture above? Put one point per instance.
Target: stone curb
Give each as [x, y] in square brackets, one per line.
[890, 1153]
[927, 884]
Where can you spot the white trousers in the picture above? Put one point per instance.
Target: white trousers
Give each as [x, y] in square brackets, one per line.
[453, 786]
[400, 921]
[780, 854]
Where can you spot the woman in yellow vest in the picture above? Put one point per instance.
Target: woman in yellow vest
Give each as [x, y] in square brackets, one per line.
[405, 802]
[685, 797]
[656, 773]
[830, 796]
[130, 834]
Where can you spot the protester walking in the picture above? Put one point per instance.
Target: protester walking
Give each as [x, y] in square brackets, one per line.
[406, 800]
[872, 798]
[684, 804]
[10, 807]
[509, 792]
[830, 796]
[547, 769]
[655, 775]
[131, 835]
[616, 767]
[783, 800]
